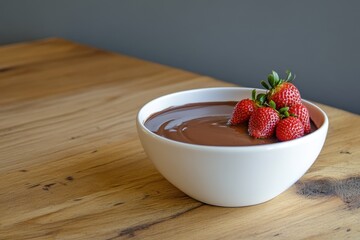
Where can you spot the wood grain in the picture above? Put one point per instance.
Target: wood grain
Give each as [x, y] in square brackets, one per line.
[72, 167]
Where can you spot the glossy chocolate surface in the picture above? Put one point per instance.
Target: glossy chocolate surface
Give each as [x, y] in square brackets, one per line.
[203, 124]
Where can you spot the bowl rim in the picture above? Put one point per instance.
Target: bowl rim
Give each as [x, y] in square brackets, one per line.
[278, 145]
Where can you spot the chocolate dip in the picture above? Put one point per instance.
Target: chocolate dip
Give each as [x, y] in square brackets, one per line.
[203, 124]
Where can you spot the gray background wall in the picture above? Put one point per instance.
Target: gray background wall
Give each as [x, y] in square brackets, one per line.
[235, 41]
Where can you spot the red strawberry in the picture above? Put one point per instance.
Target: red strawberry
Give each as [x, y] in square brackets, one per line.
[289, 128]
[242, 111]
[285, 94]
[281, 91]
[302, 113]
[262, 122]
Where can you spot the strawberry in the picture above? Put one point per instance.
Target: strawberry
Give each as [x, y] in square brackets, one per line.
[242, 111]
[282, 91]
[289, 128]
[262, 122]
[302, 113]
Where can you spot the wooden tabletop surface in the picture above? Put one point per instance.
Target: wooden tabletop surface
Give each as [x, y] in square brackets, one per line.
[72, 166]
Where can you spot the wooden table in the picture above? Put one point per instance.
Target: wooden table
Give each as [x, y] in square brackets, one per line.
[72, 166]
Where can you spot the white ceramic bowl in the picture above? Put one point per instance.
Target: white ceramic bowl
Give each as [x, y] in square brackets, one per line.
[229, 176]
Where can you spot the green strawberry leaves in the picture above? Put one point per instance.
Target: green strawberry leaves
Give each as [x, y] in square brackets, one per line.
[253, 95]
[265, 85]
[284, 112]
[261, 98]
[275, 77]
[289, 76]
[272, 104]
[274, 80]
